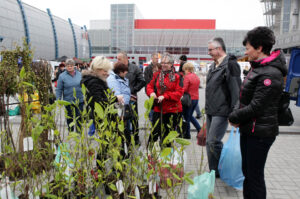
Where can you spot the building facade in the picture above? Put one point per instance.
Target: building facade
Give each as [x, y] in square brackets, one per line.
[50, 36]
[139, 37]
[283, 17]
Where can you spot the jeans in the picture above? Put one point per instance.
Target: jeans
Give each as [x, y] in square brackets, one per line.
[70, 116]
[188, 116]
[197, 109]
[215, 130]
[254, 152]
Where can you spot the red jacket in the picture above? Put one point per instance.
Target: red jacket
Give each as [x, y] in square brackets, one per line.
[191, 85]
[172, 95]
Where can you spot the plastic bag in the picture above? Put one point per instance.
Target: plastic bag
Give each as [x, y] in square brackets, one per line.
[230, 164]
[203, 187]
[92, 130]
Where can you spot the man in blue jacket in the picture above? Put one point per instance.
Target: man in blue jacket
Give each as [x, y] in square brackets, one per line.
[67, 82]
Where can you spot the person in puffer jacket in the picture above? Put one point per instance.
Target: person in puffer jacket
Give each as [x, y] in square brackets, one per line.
[256, 115]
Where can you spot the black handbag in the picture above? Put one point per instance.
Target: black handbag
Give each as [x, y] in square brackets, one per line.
[128, 112]
[186, 100]
[285, 116]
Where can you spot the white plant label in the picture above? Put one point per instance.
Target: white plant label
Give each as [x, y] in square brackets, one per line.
[120, 187]
[5, 192]
[125, 149]
[28, 144]
[152, 187]
[137, 193]
[51, 135]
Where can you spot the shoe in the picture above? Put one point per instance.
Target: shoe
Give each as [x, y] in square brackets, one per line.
[188, 137]
[198, 116]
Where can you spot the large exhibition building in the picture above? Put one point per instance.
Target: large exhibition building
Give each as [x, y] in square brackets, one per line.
[50, 36]
[128, 31]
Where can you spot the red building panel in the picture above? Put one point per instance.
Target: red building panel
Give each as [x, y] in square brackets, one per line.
[175, 24]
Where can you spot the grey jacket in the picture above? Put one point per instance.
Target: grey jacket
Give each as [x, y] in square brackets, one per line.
[222, 87]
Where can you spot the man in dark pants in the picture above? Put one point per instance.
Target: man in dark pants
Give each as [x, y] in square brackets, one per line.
[136, 83]
[221, 95]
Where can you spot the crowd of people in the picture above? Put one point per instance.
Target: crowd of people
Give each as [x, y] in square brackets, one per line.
[252, 105]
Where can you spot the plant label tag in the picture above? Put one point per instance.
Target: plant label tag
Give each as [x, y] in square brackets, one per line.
[67, 171]
[5, 192]
[152, 187]
[125, 149]
[51, 135]
[28, 144]
[137, 193]
[120, 187]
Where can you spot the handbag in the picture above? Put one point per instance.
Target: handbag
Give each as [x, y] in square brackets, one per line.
[285, 116]
[186, 100]
[127, 112]
[201, 136]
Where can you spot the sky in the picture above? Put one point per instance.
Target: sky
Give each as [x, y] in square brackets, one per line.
[229, 14]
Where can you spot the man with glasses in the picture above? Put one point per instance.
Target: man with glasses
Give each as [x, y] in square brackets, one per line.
[221, 95]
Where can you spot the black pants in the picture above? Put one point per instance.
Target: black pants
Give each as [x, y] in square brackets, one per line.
[254, 152]
[170, 122]
[135, 122]
[74, 111]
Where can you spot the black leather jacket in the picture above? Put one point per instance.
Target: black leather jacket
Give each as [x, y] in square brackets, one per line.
[136, 78]
[259, 97]
[222, 87]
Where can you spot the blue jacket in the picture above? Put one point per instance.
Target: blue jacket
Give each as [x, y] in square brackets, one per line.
[66, 84]
[119, 86]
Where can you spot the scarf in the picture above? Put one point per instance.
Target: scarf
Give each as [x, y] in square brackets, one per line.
[162, 75]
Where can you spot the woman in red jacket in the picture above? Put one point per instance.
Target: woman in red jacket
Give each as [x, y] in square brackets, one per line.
[166, 91]
[191, 86]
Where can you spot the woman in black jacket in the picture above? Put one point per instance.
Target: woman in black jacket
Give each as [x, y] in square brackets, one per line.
[257, 113]
[95, 82]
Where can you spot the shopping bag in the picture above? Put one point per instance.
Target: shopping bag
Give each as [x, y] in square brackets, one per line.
[230, 164]
[203, 187]
[201, 136]
[92, 130]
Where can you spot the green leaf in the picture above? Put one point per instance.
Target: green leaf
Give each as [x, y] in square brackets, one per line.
[188, 179]
[166, 151]
[121, 127]
[64, 103]
[22, 73]
[176, 176]
[182, 141]
[171, 136]
[99, 110]
[112, 187]
[27, 84]
[169, 183]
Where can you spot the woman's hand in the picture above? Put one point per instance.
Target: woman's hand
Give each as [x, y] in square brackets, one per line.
[161, 98]
[153, 95]
[120, 99]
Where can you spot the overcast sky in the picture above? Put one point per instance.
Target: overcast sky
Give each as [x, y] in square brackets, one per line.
[229, 14]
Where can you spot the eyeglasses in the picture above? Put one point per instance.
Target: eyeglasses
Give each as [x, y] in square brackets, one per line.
[211, 49]
[164, 63]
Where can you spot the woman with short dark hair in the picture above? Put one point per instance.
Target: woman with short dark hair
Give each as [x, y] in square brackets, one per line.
[257, 114]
